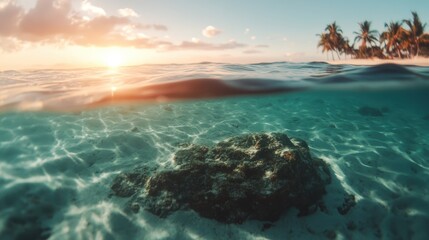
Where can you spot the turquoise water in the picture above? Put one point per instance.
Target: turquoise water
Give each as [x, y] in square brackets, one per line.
[65, 135]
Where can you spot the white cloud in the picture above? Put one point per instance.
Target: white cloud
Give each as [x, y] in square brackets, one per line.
[88, 7]
[246, 31]
[284, 39]
[4, 3]
[210, 31]
[57, 22]
[253, 37]
[130, 32]
[127, 12]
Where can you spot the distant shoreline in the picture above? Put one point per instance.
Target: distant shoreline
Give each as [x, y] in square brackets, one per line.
[418, 61]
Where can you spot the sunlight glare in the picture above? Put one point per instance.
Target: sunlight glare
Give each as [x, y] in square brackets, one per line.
[113, 90]
[113, 59]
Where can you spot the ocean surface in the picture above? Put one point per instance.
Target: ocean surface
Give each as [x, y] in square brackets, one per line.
[66, 134]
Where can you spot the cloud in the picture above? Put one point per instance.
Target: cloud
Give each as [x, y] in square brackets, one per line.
[159, 27]
[10, 16]
[86, 6]
[3, 3]
[56, 22]
[196, 44]
[210, 31]
[10, 44]
[251, 51]
[47, 18]
[253, 38]
[246, 31]
[127, 12]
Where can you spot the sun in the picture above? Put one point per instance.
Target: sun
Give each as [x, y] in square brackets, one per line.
[113, 59]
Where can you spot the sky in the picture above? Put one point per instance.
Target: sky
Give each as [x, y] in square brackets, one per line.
[89, 33]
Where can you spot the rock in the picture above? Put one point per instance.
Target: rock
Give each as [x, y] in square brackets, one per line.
[266, 226]
[167, 108]
[330, 234]
[370, 111]
[322, 207]
[254, 176]
[127, 184]
[351, 226]
[190, 154]
[135, 129]
[349, 202]
[308, 211]
[135, 207]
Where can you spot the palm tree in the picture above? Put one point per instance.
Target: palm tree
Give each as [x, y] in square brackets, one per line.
[365, 36]
[344, 46]
[335, 37]
[325, 43]
[395, 41]
[393, 38]
[415, 33]
[347, 48]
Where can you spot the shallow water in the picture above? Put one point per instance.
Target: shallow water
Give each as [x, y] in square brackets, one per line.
[369, 123]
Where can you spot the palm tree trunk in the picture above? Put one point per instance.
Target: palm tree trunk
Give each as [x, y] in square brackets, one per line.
[417, 48]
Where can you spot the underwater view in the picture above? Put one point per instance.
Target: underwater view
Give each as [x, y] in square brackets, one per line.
[213, 120]
[259, 151]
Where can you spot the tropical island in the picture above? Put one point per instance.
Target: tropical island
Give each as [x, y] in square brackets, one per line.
[404, 39]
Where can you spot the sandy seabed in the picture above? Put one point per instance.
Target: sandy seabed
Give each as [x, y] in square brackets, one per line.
[56, 169]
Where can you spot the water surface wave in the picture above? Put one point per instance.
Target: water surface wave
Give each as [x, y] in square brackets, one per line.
[82, 88]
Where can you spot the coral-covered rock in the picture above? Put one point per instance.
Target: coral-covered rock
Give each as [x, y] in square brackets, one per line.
[370, 111]
[254, 176]
[348, 204]
[127, 184]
